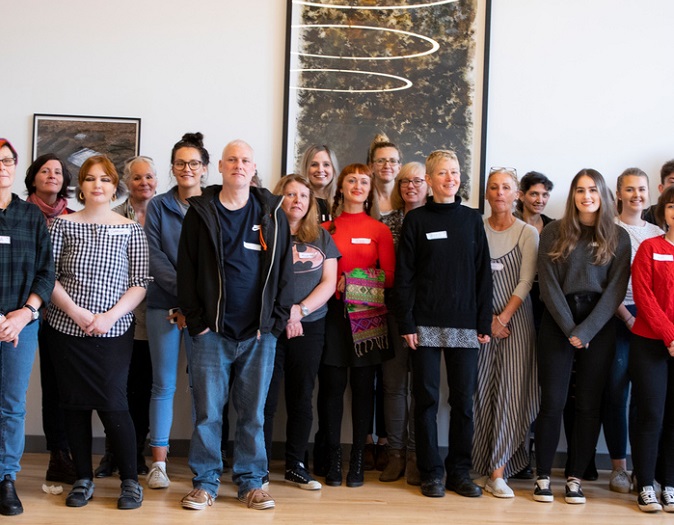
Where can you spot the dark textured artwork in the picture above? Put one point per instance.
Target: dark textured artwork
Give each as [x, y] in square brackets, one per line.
[410, 69]
[74, 139]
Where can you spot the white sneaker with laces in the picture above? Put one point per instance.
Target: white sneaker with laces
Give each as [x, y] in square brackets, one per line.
[499, 488]
[157, 477]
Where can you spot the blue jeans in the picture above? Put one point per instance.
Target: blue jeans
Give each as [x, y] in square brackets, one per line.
[15, 367]
[164, 339]
[614, 409]
[212, 360]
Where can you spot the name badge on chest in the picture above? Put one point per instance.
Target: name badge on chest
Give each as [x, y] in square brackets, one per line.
[360, 240]
[434, 236]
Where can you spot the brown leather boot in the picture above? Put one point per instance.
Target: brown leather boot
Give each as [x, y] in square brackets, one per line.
[411, 470]
[396, 465]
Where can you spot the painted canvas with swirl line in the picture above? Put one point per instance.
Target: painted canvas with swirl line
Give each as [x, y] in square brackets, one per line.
[412, 69]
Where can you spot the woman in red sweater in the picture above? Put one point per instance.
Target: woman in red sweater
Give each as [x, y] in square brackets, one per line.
[364, 243]
[651, 361]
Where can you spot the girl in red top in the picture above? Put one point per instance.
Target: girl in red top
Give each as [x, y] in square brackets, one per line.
[364, 243]
[651, 362]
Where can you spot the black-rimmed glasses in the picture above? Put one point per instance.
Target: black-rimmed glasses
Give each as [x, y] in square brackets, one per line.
[404, 183]
[8, 161]
[381, 162]
[192, 164]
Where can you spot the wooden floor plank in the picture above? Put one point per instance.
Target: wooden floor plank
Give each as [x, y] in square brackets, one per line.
[374, 503]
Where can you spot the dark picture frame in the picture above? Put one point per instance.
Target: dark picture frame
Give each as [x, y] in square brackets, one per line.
[75, 138]
[415, 70]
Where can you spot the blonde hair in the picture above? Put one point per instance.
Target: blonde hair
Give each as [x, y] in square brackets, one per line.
[409, 169]
[309, 229]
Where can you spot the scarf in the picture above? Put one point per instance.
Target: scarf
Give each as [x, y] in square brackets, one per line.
[49, 211]
[364, 300]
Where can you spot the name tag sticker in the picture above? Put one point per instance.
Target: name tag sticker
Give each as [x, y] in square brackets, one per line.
[432, 236]
[663, 257]
[307, 255]
[119, 232]
[252, 246]
[5, 239]
[360, 240]
[496, 266]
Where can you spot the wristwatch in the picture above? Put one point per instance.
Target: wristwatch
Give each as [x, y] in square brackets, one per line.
[304, 309]
[35, 313]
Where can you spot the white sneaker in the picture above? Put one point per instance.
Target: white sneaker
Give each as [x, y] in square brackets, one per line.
[667, 498]
[619, 481]
[157, 478]
[499, 488]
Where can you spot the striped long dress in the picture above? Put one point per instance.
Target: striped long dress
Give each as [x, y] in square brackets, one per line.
[507, 396]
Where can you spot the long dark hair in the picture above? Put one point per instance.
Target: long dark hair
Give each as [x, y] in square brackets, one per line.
[605, 233]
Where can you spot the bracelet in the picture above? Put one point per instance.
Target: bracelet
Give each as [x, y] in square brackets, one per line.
[500, 322]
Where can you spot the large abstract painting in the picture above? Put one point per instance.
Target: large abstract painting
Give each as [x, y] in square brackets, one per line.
[414, 70]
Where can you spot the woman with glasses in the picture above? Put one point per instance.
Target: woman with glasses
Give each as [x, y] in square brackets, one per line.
[319, 166]
[506, 399]
[47, 181]
[165, 323]
[26, 283]
[385, 165]
[102, 271]
[140, 178]
[583, 268]
[410, 192]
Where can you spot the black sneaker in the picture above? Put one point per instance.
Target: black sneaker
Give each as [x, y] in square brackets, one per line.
[300, 477]
[574, 494]
[131, 496]
[647, 500]
[542, 490]
[667, 498]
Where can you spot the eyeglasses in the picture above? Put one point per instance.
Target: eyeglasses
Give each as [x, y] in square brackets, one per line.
[193, 164]
[8, 161]
[404, 183]
[502, 169]
[381, 162]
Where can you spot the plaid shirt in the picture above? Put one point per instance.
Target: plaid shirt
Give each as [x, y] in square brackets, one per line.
[26, 264]
[96, 264]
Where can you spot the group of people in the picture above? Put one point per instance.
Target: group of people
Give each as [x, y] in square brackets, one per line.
[368, 275]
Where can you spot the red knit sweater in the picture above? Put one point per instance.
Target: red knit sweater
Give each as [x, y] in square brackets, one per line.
[364, 243]
[652, 285]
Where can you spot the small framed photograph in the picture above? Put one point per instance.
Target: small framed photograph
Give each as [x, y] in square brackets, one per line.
[75, 138]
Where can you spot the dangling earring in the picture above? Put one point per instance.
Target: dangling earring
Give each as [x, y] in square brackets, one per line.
[81, 196]
[114, 198]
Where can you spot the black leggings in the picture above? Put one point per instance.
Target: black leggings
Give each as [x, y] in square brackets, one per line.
[119, 432]
[332, 384]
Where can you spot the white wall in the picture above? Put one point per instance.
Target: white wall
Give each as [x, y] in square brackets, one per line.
[573, 84]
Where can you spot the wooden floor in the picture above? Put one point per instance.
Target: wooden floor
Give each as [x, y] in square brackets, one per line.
[374, 503]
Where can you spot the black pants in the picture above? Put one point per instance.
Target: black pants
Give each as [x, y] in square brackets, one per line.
[461, 368]
[555, 362]
[651, 369]
[332, 385]
[138, 390]
[119, 433]
[53, 422]
[298, 360]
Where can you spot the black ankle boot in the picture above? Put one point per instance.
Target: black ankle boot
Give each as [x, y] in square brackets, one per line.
[355, 477]
[106, 467]
[334, 476]
[10, 504]
[61, 467]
